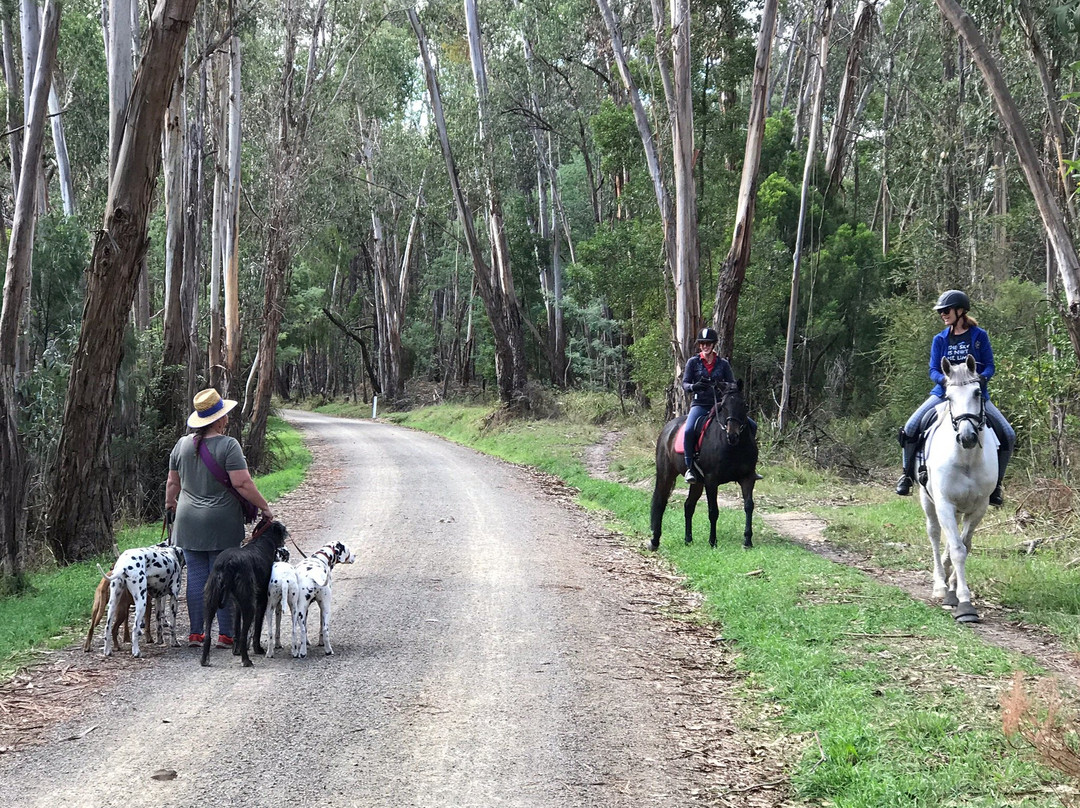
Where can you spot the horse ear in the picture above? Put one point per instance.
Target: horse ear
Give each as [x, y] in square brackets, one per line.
[971, 363]
[739, 385]
[946, 365]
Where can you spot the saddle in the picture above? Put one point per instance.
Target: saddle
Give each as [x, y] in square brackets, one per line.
[703, 421]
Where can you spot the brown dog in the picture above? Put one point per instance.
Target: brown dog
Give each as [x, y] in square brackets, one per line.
[101, 607]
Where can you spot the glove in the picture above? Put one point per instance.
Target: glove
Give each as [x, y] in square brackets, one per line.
[700, 387]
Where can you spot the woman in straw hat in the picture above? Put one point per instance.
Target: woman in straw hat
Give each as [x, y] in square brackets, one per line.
[209, 518]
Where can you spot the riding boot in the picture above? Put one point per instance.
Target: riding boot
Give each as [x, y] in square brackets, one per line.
[690, 476]
[1004, 453]
[910, 445]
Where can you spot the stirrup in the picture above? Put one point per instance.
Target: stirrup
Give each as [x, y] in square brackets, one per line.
[996, 498]
[690, 477]
[923, 475]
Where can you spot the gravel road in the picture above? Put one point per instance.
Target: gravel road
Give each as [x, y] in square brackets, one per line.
[493, 647]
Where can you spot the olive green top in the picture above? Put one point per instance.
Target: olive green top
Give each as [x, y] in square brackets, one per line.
[208, 517]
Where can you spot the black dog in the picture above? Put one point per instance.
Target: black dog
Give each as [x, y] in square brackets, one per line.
[241, 576]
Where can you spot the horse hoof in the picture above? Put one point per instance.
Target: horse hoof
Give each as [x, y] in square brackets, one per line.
[966, 613]
[654, 545]
[689, 540]
[949, 600]
[747, 544]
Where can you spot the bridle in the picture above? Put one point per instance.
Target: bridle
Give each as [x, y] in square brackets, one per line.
[977, 421]
[727, 421]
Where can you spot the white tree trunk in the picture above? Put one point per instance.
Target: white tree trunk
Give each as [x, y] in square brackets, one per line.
[121, 71]
[687, 282]
[16, 284]
[232, 221]
[733, 271]
[63, 162]
[811, 153]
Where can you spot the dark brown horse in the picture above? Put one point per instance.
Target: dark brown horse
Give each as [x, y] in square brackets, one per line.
[728, 453]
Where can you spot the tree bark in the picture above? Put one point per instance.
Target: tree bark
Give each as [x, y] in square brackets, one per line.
[733, 270]
[175, 357]
[13, 461]
[121, 42]
[834, 154]
[687, 282]
[811, 154]
[232, 226]
[1057, 233]
[82, 505]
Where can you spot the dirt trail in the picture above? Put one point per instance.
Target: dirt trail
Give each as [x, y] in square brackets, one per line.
[999, 626]
[494, 646]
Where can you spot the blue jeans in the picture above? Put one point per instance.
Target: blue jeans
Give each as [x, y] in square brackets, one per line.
[199, 564]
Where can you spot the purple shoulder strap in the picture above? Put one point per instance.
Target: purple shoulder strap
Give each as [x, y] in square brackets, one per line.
[219, 474]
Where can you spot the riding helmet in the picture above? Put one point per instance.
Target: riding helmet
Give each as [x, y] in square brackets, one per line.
[708, 335]
[953, 299]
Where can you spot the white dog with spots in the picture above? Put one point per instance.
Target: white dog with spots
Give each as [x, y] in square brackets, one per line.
[284, 590]
[146, 572]
[314, 574]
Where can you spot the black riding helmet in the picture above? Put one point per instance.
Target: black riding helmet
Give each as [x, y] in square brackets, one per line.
[953, 299]
[708, 335]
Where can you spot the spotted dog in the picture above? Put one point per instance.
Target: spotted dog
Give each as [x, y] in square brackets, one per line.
[314, 574]
[284, 589]
[101, 606]
[145, 572]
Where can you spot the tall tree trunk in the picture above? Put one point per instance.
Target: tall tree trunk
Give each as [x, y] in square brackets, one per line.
[63, 163]
[175, 357]
[834, 154]
[121, 44]
[13, 462]
[232, 227]
[82, 506]
[486, 280]
[513, 376]
[808, 166]
[733, 271]
[687, 282]
[216, 352]
[12, 109]
[193, 242]
[1068, 265]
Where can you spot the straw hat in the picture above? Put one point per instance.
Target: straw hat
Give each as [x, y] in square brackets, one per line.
[209, 406]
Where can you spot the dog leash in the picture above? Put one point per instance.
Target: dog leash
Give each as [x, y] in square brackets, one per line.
[297, 546]
[260, 528]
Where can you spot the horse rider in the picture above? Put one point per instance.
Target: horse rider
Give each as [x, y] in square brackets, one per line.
[703, 374]
[961, 336]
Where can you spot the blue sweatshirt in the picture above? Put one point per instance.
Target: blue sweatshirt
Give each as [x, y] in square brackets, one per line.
[974, 341]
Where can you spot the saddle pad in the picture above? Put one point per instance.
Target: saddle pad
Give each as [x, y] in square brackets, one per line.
[680, 445]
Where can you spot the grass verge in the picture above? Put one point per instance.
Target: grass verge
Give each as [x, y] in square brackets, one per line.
[896, 705]
[54, 611]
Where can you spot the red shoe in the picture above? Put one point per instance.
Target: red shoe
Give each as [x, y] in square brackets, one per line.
[224, 641]
[195, 640]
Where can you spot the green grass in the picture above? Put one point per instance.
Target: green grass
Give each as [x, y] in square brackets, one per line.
[54, 610]
[894, 703]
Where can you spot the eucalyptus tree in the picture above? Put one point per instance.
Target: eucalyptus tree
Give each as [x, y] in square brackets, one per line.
[82, 505]
[494, 280]
[13, 461]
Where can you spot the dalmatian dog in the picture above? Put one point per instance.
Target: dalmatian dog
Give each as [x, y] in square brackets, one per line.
[145, 572]
[314, 574]
[284, 589]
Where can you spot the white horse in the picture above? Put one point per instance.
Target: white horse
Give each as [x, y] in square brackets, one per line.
[961, 465]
